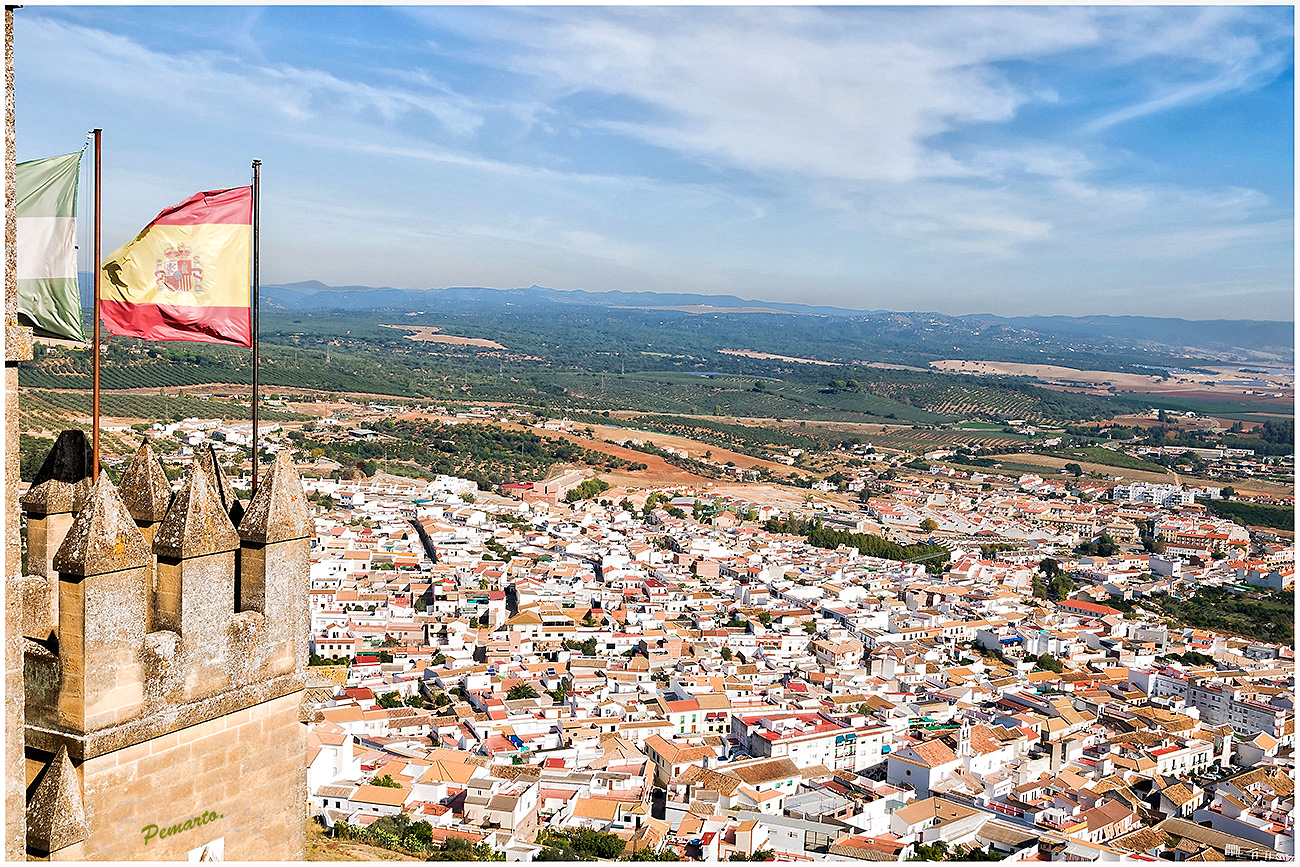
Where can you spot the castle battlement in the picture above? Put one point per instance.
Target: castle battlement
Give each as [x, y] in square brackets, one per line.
[148, 614]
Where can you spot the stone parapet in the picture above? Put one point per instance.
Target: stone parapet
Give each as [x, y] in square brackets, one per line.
[169, 689]
[204, 611]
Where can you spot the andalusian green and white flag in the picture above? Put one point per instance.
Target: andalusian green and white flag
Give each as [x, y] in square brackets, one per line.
[48, 299]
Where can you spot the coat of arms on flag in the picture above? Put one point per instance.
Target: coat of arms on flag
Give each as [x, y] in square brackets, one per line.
[179, 270]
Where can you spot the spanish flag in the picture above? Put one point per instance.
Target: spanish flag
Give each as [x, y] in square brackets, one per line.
[186, 276]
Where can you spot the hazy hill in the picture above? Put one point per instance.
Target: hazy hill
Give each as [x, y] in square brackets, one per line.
[1212, 338]
[1209, 336]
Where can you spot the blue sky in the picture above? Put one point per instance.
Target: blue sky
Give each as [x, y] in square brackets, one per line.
[1013, 160]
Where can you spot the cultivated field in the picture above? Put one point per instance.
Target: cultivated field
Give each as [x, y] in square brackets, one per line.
[1054, 463]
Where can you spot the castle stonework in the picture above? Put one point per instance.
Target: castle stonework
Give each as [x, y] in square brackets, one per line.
[164, 661]
[18, 348]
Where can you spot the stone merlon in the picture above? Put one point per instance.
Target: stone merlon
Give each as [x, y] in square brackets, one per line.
[103, 537]
[63, 480]
[144, 488]
[278, 511]
[196, 524]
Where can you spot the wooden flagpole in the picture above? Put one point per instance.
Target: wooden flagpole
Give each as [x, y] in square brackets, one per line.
[94, 399]
[257, 206]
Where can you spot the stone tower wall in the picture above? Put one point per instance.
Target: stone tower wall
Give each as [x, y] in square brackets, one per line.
[18, 347]
[164, 708]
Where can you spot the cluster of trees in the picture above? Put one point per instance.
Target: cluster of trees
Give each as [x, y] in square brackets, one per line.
[1102, 546]
[1254, 514]
[1057, 584]
[1264, 615]
[1191, 657]
[586, 490]
[487, 454]
[586, 647]
[392, 699]
[758, 855]
[933, 556]
[579, 844]
[1047, 662]
[734, 436]
[399, 834]
[1273, 438]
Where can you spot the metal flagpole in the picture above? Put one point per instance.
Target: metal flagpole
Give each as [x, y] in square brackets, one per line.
[94, 399]
[257, 204]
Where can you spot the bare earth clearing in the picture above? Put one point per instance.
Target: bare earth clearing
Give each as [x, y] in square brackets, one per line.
[429, 334]
[1200, 385]
[747, 353]
[707, 308]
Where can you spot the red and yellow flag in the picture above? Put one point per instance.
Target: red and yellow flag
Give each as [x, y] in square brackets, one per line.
[186, 275]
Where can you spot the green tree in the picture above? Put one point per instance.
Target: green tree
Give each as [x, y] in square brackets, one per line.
[936, 851]
[929, 525]
[386, 782]
[1074, 468]
[647, 854]
[419, 836]
[388, 699]
[726, 653]
[521, 690]
[1047, 662]
[1062, 587]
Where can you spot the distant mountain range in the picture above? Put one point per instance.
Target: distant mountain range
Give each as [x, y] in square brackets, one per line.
[1181, 335]
[319, 296]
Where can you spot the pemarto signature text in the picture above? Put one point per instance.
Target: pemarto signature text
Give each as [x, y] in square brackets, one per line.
[152, 831]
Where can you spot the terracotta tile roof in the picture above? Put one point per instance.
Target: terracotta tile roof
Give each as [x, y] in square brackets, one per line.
[934, 753]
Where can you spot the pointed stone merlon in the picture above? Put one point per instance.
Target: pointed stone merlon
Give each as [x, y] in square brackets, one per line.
[206, 456]
[56, 815]
[57, 493]
[145, 490]
[103, 567]
[195, 545]
[275, 546]
[147, 493]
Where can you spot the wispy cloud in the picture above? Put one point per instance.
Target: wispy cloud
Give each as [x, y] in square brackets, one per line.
[796, 150]
[215, 83]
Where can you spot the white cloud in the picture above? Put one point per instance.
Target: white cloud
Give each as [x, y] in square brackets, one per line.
[220, 85]
[786, 90]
